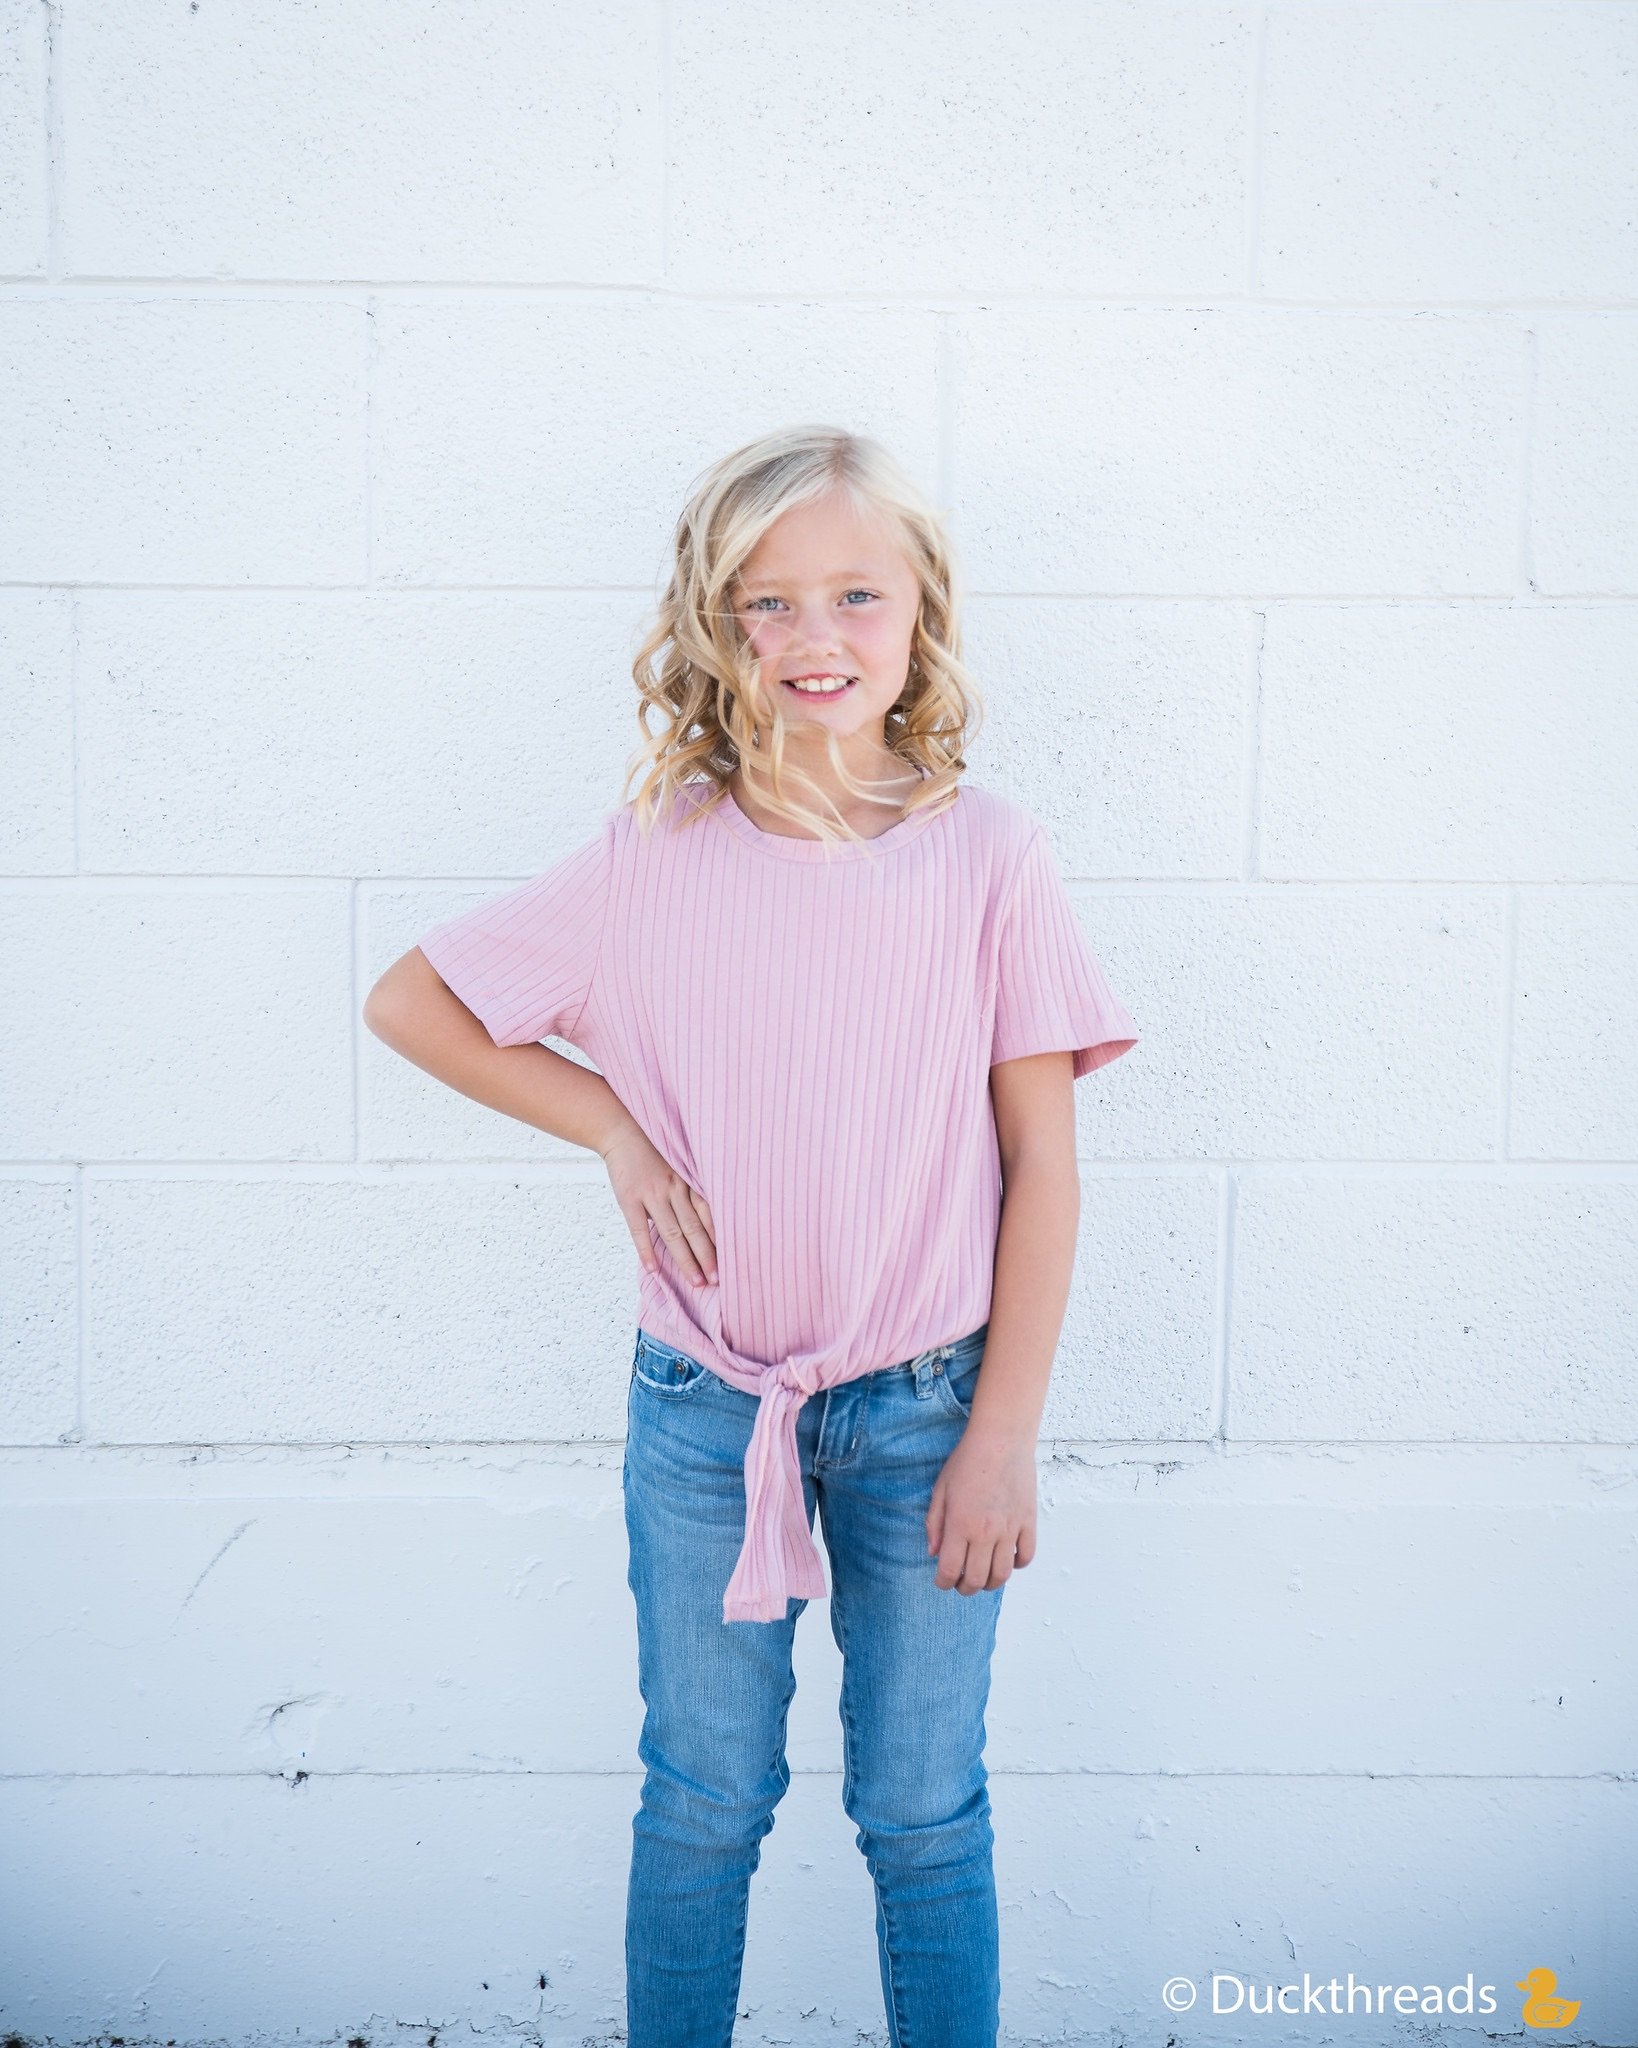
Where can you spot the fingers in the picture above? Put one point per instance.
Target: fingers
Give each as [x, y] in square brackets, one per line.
[675, 1238]
[676, 1217]
[703, 1236]
[976, 1564]
[637, 1220]
[983, 1563]
[699, 1260]
[646, 1213]
[653, 1197]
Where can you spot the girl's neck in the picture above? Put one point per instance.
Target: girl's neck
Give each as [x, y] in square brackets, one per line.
[869, 820]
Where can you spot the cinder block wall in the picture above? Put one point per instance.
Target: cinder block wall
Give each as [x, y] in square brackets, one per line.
[1279, 367]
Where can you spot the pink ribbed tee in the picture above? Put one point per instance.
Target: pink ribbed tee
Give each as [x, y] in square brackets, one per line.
[807, 1041]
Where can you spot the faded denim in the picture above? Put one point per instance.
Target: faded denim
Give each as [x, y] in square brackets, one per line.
[916, 1673]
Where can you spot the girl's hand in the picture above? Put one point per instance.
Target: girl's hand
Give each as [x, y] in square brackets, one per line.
[981, 1520]
[647, 1190]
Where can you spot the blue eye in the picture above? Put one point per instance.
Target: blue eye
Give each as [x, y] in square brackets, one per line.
[755, 603]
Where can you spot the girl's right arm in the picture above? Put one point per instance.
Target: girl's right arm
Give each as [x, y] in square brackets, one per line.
[412, 1010]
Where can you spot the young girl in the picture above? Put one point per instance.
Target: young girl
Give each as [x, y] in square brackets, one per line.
[838, 997]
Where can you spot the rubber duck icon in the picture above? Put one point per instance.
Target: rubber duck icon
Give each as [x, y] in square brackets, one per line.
[1542, 2008]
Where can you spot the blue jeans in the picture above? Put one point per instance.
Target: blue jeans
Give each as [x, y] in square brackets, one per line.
[915, 1682]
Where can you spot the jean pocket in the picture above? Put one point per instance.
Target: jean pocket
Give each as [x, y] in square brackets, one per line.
[958, 1382]
[661, 1369]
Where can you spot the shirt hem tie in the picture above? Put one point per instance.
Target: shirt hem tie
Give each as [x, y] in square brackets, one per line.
[778, 1559]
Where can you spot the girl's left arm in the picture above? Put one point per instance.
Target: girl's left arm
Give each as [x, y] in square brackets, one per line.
[981, 1519]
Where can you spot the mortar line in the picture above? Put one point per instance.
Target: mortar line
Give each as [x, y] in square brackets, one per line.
[549, 1170]
[1228, 1199]
[74, 805]
[1253, 772]
[81, 1275]
[944, 358]
[592, 1453]
[1527, 563]
[355, 938]
[52, 139]
[81, 1304]
[1361, 1774]
[663, 10]
[1509, 1011]
[1098, 299]
[1340, 600]
[1254, 165]
[371, 344]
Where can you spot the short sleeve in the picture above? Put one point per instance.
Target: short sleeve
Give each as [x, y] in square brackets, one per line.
[1050, 992]
[524, 962]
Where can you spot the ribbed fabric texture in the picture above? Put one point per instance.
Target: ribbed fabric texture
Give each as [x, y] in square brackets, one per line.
[805, 1035]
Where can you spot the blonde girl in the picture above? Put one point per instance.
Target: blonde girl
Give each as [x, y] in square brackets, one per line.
[837, 998]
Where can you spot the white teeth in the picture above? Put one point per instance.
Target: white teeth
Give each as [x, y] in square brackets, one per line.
[821, 685]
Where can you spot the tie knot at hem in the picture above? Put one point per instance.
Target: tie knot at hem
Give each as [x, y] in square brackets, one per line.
[793, 1378]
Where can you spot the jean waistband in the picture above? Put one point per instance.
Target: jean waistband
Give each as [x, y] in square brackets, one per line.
[958, 1347]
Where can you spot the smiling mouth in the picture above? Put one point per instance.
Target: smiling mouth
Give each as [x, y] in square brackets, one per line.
[820, 689]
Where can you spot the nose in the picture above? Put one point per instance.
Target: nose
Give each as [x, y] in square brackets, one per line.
[809, 622]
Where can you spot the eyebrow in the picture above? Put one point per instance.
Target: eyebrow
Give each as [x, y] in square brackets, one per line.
[842, 576]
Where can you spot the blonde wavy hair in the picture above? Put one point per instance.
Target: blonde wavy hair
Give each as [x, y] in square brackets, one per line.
[696, 669]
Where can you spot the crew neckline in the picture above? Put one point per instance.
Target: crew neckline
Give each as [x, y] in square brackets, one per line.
[783, 847]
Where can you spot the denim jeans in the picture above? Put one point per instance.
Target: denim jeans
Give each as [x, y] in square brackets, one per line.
[915, 1682]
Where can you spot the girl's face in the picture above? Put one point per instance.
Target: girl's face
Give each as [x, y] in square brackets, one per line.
[829, 594]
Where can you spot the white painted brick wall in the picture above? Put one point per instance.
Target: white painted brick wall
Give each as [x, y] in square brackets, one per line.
[1279, 367]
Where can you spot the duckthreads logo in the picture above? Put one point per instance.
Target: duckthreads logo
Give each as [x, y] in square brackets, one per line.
[1541, 2007]
[1326, 1997]
[1329, 1996]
